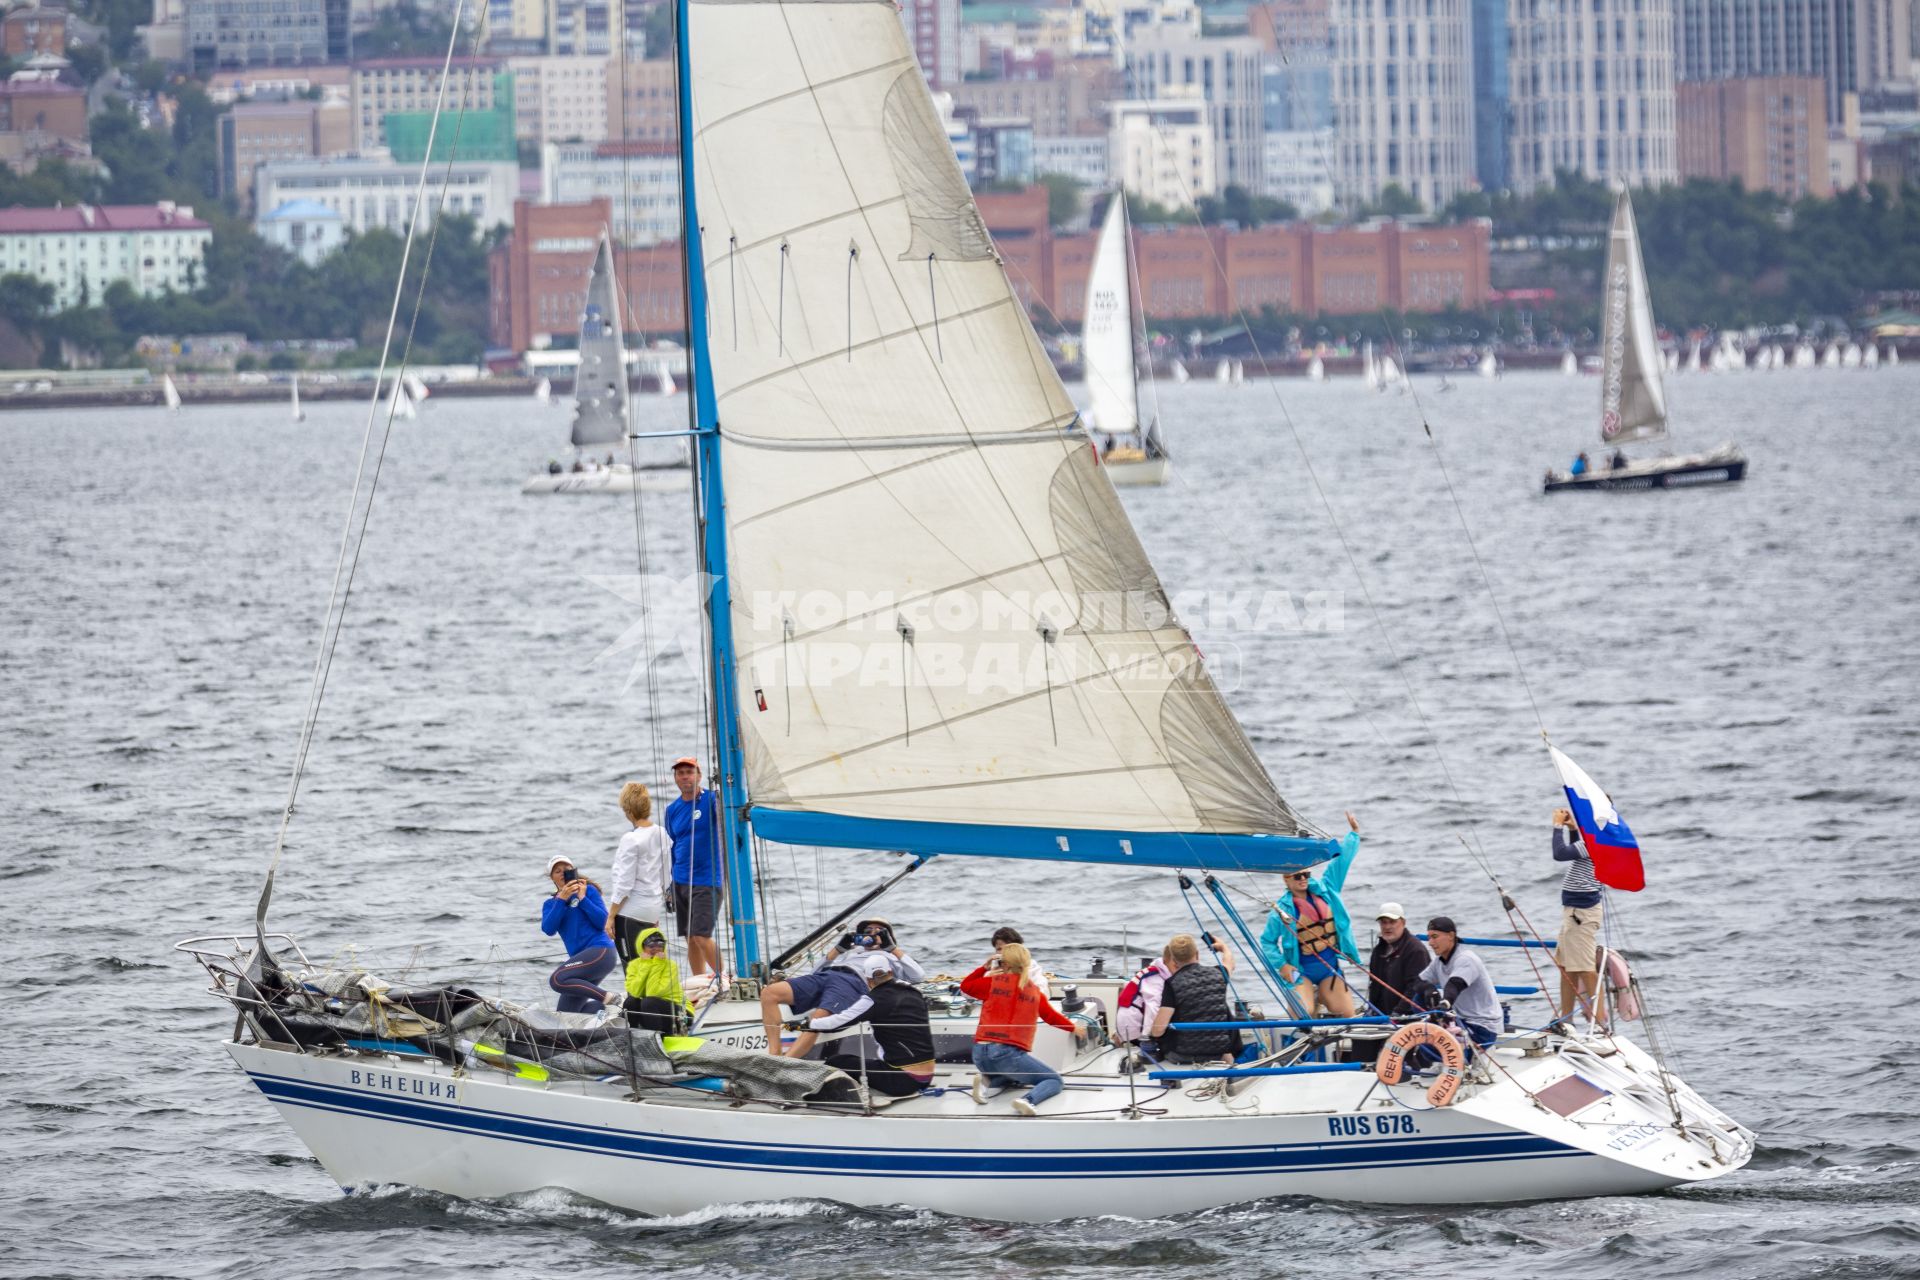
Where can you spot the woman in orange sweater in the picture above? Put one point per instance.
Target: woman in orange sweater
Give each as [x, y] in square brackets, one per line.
[1011, 1007]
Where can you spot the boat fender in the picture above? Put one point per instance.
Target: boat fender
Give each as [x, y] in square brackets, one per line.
[1453, 1059]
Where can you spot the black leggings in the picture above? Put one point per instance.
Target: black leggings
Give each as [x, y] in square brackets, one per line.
[654, 1014]
[626, 938]
[881, 1077]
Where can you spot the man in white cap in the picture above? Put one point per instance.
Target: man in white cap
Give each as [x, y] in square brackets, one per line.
[1394, 969]
[897, 1013]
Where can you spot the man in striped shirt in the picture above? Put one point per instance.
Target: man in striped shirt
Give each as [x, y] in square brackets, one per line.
[1578, 949]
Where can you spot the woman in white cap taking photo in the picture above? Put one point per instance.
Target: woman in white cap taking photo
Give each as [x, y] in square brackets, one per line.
[577, 913]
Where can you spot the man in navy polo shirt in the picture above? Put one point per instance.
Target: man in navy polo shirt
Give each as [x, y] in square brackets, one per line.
[693, 824]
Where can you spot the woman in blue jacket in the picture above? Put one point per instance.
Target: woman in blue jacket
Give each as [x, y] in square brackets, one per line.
[1308, 931]
[578, 914]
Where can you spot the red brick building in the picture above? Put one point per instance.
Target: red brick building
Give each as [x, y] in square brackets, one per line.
[539, 275]
[34, 29]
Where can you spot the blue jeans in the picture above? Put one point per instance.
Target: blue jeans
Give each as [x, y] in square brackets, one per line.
[1006, 1067]
[578, 980]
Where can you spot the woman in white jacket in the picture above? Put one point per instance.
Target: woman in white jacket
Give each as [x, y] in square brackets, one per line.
[642, 872]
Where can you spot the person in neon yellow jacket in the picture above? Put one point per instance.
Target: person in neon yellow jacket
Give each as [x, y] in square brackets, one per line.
[1308, 931]
[655, 999]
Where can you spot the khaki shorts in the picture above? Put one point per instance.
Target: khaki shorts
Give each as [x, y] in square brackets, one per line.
[1577, 951]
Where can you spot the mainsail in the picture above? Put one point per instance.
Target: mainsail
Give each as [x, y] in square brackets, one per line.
[1106, 335]
[944, 634]
[600, 385]
[1633, 403]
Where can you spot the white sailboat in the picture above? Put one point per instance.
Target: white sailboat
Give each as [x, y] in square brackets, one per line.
[1850, 355]
[1239, 373]
[1223, 371]
[1569, 364]
[1693, 357]
[1633, 395]
[602, 404]
[400, 404]
[416, 389]
[1179, 372]
[1132, 451]
[299, 414]
[169, 394]
[543, 391]
[1870, 356]
[868, 463]
[668, 387]
[1316, 369]
[1488, 367]
[1893, 356]
[1830, 358]
[1803, 356]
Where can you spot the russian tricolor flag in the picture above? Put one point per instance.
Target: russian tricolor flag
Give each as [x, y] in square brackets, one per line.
[1615, 853]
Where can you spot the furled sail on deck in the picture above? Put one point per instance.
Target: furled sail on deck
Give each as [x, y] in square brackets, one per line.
[1633, 401]
[1106, 334]
[600, 386]
[946, 634]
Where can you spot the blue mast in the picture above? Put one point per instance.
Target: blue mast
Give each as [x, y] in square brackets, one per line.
[736, 852]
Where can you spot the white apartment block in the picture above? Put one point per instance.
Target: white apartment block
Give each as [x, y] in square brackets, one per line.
[1299, 166]
[639, 181]
[1085, 160]
[82, 249]
[375, 191]
[384, 85]
[1590, 83]
[1164, 151]
[1223, 73]
[1403, 98]
[560, 99]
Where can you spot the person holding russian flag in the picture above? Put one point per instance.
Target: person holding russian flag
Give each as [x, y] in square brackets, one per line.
[1591, 835]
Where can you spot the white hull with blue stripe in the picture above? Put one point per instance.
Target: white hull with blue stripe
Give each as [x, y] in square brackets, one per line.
[375, 1120]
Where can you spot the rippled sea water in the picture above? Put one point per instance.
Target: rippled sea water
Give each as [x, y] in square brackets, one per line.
[1738, 666]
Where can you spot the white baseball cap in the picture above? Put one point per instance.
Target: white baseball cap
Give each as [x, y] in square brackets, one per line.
[1390, 911]
[558, 860]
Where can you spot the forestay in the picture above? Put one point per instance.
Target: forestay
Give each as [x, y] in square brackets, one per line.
[1106, 335]
[946, 635]
[600, 385]
[1633, 401]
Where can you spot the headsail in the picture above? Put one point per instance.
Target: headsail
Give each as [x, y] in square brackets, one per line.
[945, 634]
[600, 385]
[1633, 402]
[1106, 334]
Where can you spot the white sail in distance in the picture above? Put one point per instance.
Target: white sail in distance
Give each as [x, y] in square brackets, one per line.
[1106, 332]
[169, 394]
[600, 382]
[1633, 401]
[907, 490]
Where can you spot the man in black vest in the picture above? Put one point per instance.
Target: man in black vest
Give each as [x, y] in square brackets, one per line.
[1195, 992]
[1393, 972]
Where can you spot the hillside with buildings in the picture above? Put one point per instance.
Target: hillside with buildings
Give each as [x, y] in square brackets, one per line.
[176, 168]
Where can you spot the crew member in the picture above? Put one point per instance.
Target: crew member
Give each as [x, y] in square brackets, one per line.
[1308, 932]
[1577, 951]
[898, 1016]
[1010, 1010]
[693, 825]
[1457, 976]
[655, 999]
[576, 913]
[1195, 992]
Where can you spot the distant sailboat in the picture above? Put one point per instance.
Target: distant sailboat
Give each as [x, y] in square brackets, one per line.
[601, 401]
[1830, 358]
[1223, 372]
[401, 406]
[1390, 374]
[1316, 370]
[543, 391]
[1180, 373]
[1633, 396]
[1893, 356]
[1569, 364]
[1693, 358]
[1488, 366]
[1803, 356]
[416, 389]
[1870, 357]
[1239, 373]
[1370, 367]
[1131, 451]
[667, 385]
[299, 414]
[1850, 356]
[169, 393]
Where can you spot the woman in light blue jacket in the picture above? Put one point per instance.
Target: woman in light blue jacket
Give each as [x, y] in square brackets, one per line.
[1308, 931]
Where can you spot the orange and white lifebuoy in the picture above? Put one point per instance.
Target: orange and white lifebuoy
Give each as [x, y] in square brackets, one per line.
[1453, 1059]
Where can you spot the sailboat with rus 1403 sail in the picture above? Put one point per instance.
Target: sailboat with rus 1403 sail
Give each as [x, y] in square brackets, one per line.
[603, 404]
[1633, 395]
[919, 449]
[1133, 454]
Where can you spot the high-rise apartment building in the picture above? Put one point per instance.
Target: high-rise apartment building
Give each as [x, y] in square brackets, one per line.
[1853, 45]
[640, 101]
[382, 86]
[1171, 63]
[1403, 95]
[1590, 83]
[558, 99]
[267, 33]
[1492, 95]
[933, 29]
[1768, 133]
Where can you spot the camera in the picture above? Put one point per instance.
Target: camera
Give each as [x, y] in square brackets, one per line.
[572, 874]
